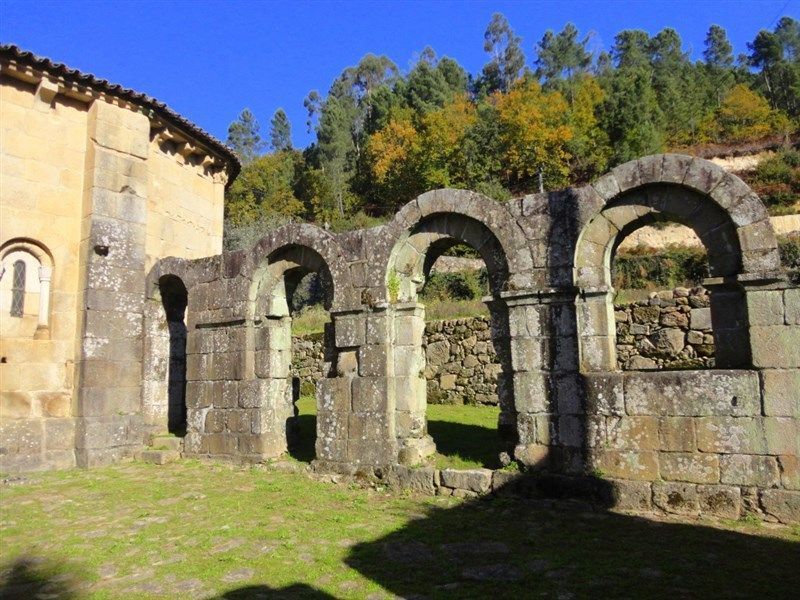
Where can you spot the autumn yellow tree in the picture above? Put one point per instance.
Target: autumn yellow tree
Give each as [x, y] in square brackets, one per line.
[264, 190]
[743, 115]
[589, 147]
[535, 131]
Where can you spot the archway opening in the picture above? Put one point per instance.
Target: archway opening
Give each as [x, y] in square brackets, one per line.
[454, 376]
[675, 329]
[311, 343]
[662, 312]
[294, 341]
[174, 299]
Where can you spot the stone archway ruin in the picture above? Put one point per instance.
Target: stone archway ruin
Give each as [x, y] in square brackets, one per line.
[570, 411]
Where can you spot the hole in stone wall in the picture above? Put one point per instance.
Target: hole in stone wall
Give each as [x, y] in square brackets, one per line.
[311, 346]
[465, 362]
[174, 298]
[662, 313]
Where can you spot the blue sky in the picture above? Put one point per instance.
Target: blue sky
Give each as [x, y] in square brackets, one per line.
[208, 60]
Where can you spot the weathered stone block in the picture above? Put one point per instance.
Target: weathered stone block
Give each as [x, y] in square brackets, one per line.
[791, 299]
[531, 392]
[775, 346]
[372, 361]
[350, 331]
[749, 469]
[642, 466]
[473, 480]
[784, 505]
[720, 501]
[700, 318]
[765, 307]
[370, 394]
[730, 435]
[677, 498]
[692, 467]
[676, 434]
[693, 393]
[604, 393]
[59, 434]
[627, 433]
[421, 480]
[781, 392]
[631, 495]
[790, 471]
[783, 435]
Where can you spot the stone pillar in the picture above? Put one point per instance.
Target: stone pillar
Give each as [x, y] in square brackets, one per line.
[773, 315]
[43, 327]
[410, 385]
[729, 324]
[547, 397]
[356, 418]
[112, 267]
[597, 330]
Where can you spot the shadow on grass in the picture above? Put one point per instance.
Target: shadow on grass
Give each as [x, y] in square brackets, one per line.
[511, 547]
[296, 590]
[34, 577]
[303, 437]
[471, 443]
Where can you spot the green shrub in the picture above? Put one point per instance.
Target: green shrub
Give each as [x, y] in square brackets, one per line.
[644, 268]
[789, 248]
[459, 285]
[777, 181]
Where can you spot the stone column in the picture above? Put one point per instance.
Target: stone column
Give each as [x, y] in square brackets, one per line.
[112, 267]
[42, 329]
[356, 418]
[547, 399]
[597, 330]
[410, 385]
[729, 324]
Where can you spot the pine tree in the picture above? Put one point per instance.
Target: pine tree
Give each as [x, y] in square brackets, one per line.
[280, 131]
[507, 58]
[244, 137]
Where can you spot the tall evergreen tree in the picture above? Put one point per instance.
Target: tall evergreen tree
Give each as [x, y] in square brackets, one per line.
[244, 137]
[280, 131]
[507, 58]
[718, 52]
[562, 55]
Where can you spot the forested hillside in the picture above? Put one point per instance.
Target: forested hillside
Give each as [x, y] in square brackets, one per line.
[537, 117]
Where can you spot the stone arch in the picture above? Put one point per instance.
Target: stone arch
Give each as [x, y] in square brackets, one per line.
[313, 247]
[420, 232]
[725, 214]
[660, 175]
[462, 215]
[164, 356]
[276, 265]
[35, 260]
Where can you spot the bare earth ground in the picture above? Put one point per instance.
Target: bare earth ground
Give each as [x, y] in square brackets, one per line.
[211, 530]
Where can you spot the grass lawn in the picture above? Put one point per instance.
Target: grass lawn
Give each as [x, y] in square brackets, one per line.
[466, 436]
[210, 530]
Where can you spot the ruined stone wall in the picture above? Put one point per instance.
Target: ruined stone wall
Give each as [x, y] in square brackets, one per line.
[670, 330]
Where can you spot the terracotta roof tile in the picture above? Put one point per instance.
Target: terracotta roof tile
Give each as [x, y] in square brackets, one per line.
[17, 54]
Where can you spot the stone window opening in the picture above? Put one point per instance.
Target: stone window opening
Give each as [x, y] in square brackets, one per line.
[721, 313]
[662, 312]
[18, 290]
[429, 367]
[174, 299]
[25, 275]
[294, 279]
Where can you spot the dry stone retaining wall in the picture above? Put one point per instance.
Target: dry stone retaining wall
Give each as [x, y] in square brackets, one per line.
[670, 330]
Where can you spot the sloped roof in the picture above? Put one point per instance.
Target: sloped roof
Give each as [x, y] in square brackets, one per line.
[11, 52]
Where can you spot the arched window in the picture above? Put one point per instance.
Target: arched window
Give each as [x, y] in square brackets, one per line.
[18, 289]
